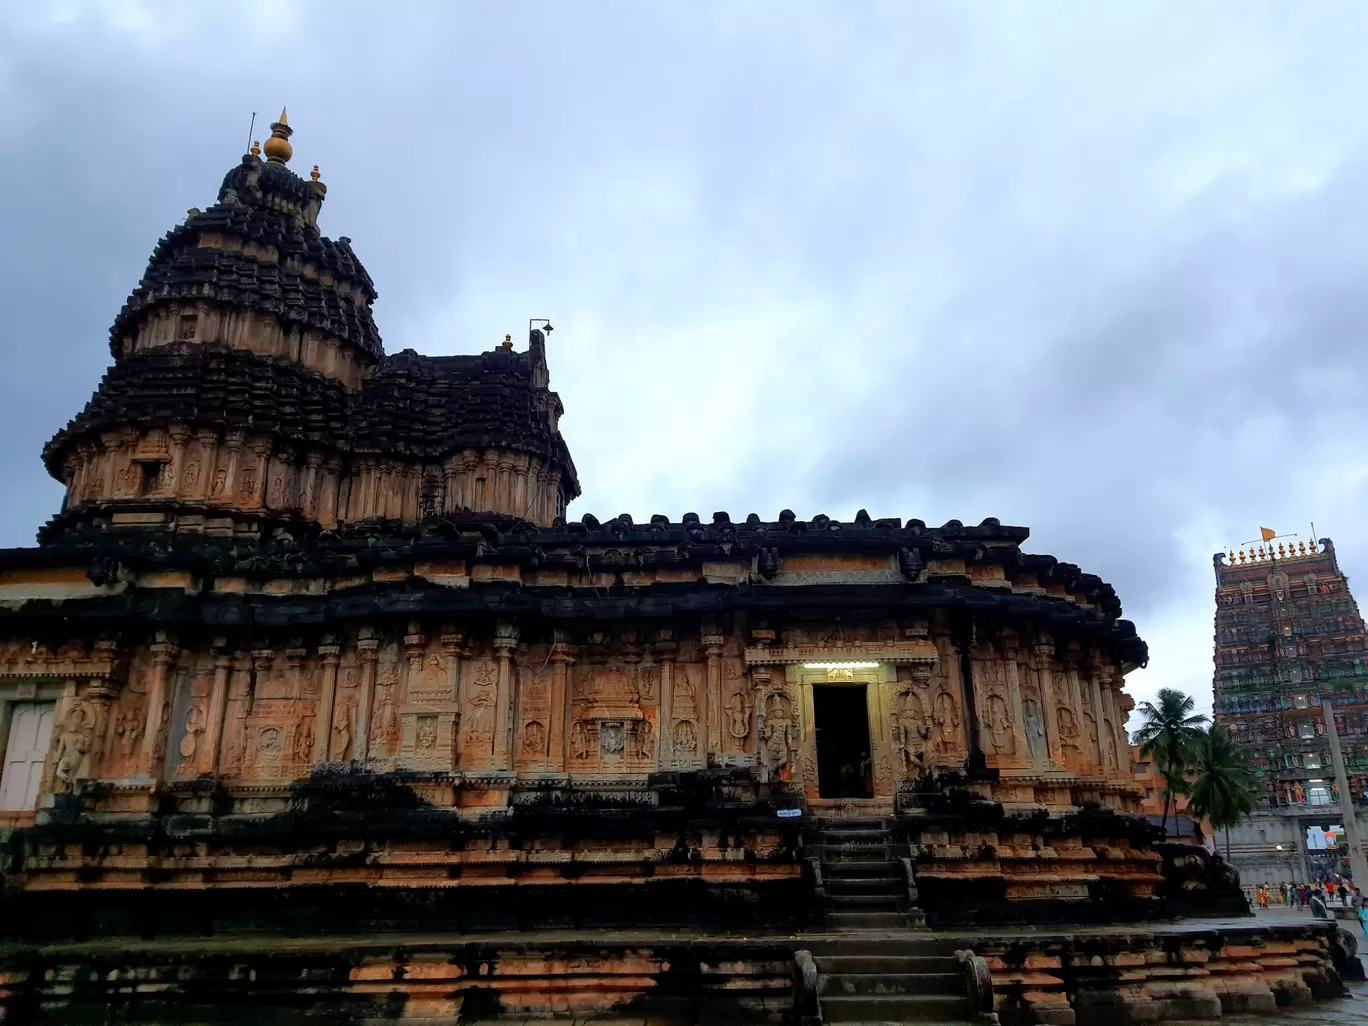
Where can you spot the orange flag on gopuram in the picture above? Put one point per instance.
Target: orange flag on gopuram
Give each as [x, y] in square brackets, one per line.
[1268, 533]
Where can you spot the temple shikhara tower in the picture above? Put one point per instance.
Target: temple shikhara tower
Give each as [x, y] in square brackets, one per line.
[1289, 645]
[312, 650]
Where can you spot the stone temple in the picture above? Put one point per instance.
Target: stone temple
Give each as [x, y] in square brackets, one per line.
[314, 695]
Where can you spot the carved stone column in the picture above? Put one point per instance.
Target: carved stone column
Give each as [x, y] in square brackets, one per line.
[1009, 647]
[368, 649]
[712, 698]
[1076, 696]
[562, 656]
[309, 491]
[329, 652]
[505, 640]
[666, 648]
[99, 694]
[158, 712]
[451, 648]
[207, 440]
[962, 637]
[172, 475]
[1100, 718]
[1042, 654]
[233, 443]
[208, 755]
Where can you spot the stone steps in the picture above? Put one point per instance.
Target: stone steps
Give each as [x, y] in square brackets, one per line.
[895, 1008]
[883, 972]
[888, 983]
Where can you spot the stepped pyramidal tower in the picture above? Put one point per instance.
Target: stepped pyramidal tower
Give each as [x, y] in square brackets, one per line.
[1290, 645]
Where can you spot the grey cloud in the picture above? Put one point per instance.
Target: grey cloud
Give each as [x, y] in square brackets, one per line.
[1091, 269]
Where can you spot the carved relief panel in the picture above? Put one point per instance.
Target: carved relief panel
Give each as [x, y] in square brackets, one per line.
[531, 746]
[683, 745]
[429, 714]
[479, 692]
[612, 710]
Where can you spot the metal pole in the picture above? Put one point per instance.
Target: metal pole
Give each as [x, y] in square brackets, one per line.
[1358, 864]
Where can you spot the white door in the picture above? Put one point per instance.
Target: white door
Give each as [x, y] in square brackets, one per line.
[30, 734]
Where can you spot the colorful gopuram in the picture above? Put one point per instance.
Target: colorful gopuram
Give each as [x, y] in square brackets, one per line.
[1289, 641]
[313, 692]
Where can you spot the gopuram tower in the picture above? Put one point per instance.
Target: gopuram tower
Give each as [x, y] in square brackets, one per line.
[1289, 646]
[312, 687]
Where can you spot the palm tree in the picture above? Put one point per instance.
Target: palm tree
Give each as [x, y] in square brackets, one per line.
[1169, 735]
[1224, 786]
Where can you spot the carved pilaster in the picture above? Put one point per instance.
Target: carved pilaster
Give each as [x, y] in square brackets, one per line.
[962, 637]
[207, 459]
[712, 698]
[505, 640]
[158, 709]
[329, 655]
[562, 656]
[368, 648]
[1042, 655]
[229, 486]
[209, 753]
[1009, 647]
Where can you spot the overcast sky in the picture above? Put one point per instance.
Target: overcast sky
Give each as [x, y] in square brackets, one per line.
[1095, 269]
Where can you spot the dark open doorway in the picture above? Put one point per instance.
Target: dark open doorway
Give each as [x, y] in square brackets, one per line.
[843, 763]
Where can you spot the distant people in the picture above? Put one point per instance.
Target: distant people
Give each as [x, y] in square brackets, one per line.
[1361, 910]
[1282, 893]
[1330, 890]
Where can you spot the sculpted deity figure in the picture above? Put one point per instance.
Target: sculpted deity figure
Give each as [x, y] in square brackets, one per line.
[73, 743]
[685, 737]
[195, 722]
[738, 715]
[303, 741]
[645, 739]
[341, 734]
[999, 722]
[425, 734]
[1068, 726]
[947, 719]
[910, 733]
[128, 728]
[482, 700]
[579, 741]
[780, 736]
[612, 740]
[534, 737]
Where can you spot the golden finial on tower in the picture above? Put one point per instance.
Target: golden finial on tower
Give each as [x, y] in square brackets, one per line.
[1242, 556]
[508, 342]
[1231, 556]
[314, 173]
[278, 148]
[1282, 553]
[256, 148]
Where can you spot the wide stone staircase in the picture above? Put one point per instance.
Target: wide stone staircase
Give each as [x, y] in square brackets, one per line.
[862, 881]
[892, 980]
[887, 970]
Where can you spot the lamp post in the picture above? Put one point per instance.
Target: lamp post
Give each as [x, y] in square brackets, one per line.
[1358, 864]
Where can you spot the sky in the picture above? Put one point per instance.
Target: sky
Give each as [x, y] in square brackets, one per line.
[1093, 269]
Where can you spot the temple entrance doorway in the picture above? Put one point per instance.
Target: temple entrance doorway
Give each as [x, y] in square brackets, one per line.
[841, 718]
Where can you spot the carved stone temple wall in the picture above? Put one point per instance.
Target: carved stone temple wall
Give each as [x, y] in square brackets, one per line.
[312, 646]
